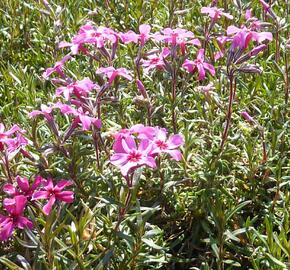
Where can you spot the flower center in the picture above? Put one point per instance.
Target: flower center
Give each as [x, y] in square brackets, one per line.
[134, 156]
[161, 144]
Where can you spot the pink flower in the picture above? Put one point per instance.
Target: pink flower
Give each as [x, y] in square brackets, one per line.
[177, 36]
[112, 73]
[215, 13]
[44, 110]
[89, 34]
[5, 134]
[248, 14]
[57, 67]
[221, 41]
[199, 65]
[144, 30]
[141, 131]
[15, 143]
[78, 88]
[131, 36]
[164, 145]
[155, 61]
[53, 193]
[80, 115]
[131, 157]
[15, 219]
[23, 187]
[242, 37]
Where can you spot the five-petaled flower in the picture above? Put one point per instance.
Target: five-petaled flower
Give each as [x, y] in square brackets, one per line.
[129, 156]
[24, 188]
[199, 64]
[53, 193]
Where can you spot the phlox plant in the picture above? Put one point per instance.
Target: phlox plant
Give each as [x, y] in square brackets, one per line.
[114, 172]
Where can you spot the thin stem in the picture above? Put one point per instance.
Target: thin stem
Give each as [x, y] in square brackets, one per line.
[96, 145]
[173, 94]
[6, 162]
[229, 112]
[124, 210]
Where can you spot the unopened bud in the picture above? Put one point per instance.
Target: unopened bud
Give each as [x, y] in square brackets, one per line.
[247, 117]
[258, 49]
[141, 88]
[250, 69]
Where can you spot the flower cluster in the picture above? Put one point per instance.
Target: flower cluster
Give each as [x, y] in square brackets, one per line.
[22, 193]
[12, 141]
[140, 145]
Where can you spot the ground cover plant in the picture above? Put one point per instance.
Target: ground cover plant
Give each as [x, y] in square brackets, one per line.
[144, 134]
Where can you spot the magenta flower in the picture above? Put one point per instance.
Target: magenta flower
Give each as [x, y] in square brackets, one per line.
[89, 34]
[112, 73]
[53, 193]
[215, 13]
[78, 88]
[15, 219]
[13, 144]
[57, 68]
[199, 65]
[23, 187]
[130, 156]
[169, 146]
[242, 37]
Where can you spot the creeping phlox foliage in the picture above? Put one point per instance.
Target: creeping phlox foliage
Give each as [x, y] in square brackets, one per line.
[82, 102]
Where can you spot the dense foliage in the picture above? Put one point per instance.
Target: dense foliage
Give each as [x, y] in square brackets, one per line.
[144, 134]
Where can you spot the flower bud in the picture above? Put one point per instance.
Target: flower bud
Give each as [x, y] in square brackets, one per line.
[141, 88]
[247, 117]
[258, 49]
[250, 69]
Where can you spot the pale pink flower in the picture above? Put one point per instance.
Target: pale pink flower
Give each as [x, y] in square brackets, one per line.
[131, 36]
[199, 65]
[177, 36]
[57, 68]
[155, 61]
[169, 146]
[112, 73]
[15, 219]
[131, 157]
[44, 110]
[53, 193]
[215, 13]
[81, 116]
[89, 34]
